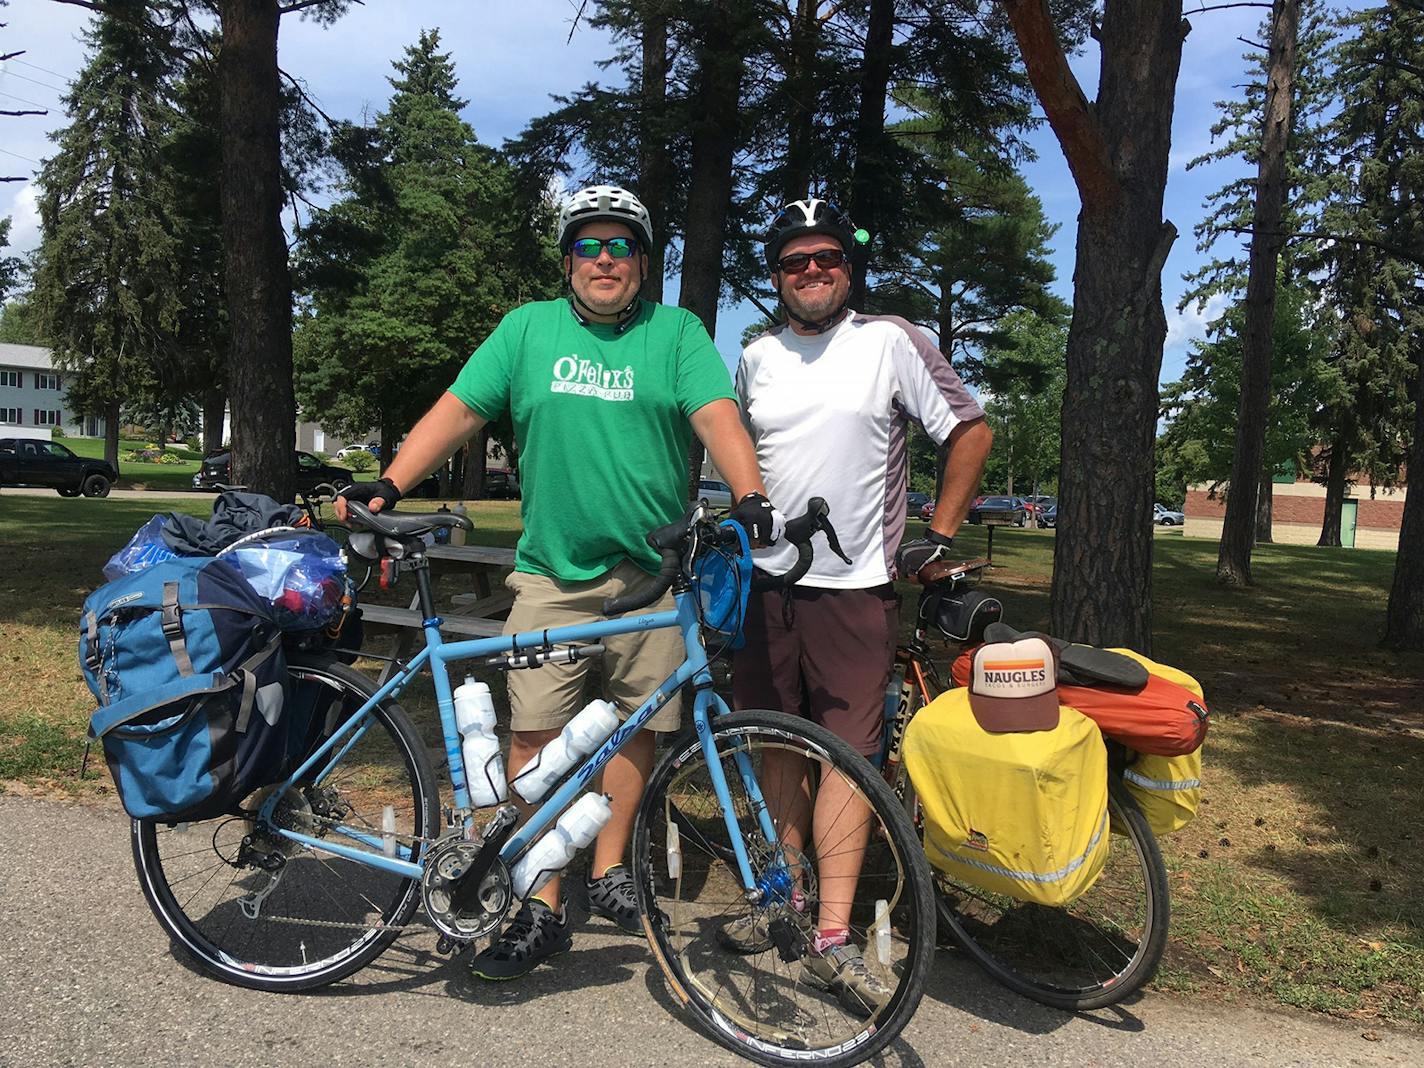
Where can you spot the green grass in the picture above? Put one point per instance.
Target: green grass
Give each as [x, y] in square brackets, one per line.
[1297, 883]
[143, 475]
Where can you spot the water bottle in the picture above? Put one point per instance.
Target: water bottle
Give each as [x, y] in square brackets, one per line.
[388, 830]
[580, 736]
[442, 534]
[575, 829]
[484, 765]
[882, 931]
[457, 534]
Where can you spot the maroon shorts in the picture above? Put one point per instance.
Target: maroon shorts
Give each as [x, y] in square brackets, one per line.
[830, 665]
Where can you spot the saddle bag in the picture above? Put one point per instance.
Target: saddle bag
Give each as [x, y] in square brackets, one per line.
[187, 665]
[1023, 814]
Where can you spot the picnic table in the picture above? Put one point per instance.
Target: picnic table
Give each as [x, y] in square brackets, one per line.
[478, 614]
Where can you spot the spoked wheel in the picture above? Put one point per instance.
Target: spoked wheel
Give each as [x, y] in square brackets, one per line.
[1094, 952]
[747, 970]
[261, 911]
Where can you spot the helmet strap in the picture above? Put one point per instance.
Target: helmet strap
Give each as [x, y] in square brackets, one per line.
[625, 317]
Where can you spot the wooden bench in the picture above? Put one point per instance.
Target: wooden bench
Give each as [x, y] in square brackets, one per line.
[475, 615]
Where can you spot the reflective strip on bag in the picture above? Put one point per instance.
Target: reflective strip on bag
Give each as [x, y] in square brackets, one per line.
[1160, 784]
[1030, 876]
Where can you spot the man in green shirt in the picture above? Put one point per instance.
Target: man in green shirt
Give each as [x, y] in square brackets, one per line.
[604, 390]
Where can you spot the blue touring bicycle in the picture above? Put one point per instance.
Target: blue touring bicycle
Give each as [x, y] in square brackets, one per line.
[317, 875]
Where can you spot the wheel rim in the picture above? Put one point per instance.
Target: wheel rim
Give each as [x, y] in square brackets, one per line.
[1096, 945]
[760, 1001]
[318, 913]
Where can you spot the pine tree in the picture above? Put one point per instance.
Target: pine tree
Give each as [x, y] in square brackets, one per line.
[105, 293]
[413, 268]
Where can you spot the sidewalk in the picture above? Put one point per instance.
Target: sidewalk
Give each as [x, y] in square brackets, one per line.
[89, 979]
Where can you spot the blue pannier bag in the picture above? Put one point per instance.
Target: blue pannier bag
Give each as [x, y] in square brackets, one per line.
[186, 661]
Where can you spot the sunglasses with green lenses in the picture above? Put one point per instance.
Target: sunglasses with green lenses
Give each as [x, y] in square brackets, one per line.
[620, 248]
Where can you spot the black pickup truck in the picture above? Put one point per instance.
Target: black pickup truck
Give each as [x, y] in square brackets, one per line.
[31, 462]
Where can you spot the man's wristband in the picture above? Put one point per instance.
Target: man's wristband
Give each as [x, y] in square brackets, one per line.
[935, 537]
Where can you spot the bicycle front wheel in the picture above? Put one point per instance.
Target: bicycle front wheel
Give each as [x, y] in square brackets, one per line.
[841, 854]
[258, 910]
[1092, 953]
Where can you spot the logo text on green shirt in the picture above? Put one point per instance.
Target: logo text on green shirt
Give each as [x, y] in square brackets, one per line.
[589, 378]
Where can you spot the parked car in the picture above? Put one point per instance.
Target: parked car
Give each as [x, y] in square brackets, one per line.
[717, 494]
[217, 469]
[501, 485]
[1049, 518]
[35, 462]
[1164, 516]
[351, 450]
[914, 501]
[927, 510]
[1014, 506]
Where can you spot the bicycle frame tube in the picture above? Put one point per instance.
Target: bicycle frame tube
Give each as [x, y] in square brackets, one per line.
[440, 654]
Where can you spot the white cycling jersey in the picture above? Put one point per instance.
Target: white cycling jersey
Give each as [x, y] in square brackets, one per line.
[828, 414]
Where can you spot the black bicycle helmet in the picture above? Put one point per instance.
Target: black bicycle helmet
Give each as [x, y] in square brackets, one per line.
[811, 216]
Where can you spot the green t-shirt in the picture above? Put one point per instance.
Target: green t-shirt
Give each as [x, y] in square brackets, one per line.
[601, 421]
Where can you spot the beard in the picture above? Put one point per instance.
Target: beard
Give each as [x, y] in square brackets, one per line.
[605, 301]
[815, 304]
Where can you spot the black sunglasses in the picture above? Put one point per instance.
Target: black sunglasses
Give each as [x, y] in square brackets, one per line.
[620, 248]
[828, 259]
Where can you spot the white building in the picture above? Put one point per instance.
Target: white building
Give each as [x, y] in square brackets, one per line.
[32, 394]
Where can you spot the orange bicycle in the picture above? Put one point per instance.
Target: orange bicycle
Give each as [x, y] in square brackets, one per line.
[1110, 940]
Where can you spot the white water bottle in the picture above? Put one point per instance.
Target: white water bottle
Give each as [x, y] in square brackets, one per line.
[580, 736]
[457, 534]
[484, 764]
[575, 829]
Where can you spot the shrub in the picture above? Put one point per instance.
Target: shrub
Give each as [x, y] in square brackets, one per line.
[58, 431]
[360, 461]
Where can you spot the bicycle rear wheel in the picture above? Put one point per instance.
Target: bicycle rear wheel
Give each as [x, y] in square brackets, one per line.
[1092, 953]
[747, 971]
[261, 911]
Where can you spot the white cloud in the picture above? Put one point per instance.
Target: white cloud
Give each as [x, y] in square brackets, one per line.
[1191, 322]
[24, 215]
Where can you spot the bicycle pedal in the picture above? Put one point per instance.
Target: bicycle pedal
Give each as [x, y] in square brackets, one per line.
[449, 947]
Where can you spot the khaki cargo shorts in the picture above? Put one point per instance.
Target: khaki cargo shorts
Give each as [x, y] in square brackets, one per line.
[548, 697]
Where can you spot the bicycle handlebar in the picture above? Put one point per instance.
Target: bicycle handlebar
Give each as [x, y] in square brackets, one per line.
[670, 542]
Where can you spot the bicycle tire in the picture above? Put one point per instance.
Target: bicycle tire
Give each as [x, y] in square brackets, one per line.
[1048, 954]
[723, 991]
[322, 918]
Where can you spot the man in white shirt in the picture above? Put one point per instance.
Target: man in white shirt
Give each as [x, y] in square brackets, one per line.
[828, 398]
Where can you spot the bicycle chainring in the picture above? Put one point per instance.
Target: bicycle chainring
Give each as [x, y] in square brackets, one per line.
[449, 859]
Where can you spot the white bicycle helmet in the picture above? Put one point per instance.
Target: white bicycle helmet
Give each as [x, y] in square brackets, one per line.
[605, 203]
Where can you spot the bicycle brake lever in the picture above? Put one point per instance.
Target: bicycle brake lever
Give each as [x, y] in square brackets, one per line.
[824, 524]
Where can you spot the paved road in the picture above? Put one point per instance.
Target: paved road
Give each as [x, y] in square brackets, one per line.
[121, 494]
[88, 979]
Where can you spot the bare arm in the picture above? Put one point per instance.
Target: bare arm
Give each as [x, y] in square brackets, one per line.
[442, 430]
[963, 469]
[719, 425]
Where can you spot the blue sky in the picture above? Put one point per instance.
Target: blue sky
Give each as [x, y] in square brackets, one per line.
[511, 57]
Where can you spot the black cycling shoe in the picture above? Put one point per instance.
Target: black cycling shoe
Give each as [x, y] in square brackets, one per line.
[535, 934]
[612, 895]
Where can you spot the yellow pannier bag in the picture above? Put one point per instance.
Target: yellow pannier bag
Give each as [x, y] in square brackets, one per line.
[1166, 789]
[1023, 814]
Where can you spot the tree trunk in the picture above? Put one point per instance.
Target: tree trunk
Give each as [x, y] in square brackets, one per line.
[800, 89]
[476, 463]
[259, 287]
[709, 195]
[1404, 617]
[654, 173]
[1233, 563]
[111, 434]
[867, 179]
[214, 408]
[1263, 509]
[1117, 151]
[1335, 486]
